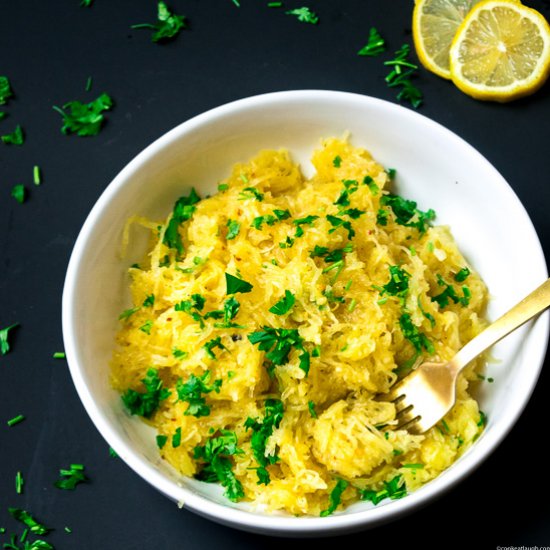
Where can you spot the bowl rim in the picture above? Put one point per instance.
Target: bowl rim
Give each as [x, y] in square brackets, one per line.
[226, 514]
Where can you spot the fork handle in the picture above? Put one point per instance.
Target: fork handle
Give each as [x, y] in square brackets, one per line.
[531, 305]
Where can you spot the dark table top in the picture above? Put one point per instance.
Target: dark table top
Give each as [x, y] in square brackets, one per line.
[48, 50]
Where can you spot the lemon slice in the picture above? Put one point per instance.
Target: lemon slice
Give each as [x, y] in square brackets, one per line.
[435, 23]
[501, 51]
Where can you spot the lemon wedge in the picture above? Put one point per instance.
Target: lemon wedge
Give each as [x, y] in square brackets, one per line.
[501, 51]
[435, 23]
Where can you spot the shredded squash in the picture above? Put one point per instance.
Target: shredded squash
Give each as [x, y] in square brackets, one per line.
[264, 379]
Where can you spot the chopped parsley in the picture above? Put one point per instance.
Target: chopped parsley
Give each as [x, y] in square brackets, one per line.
[398, 284]
[147, 326]
[305, 15]
[196, 303]
[288, 242]
[86, 3]
[311, 408]
[127, 313]
[4, 343]
[17, 137]
[402, 70]
[15, 420]
[284, 305]
[335, 497]
[462, 275]
[278, 215]
[36, 175]
[112, 453]
[5, 90]
[146, 403]
[168, 25]
[179, 354]
[415, 466]
[278, 343]
[71, 477]
[176, 438]
[414, 336]
[350, 186]
[19, 193]
[184, 209]
[308, 220]
[215, 454]
[161, 440]
[84, 119]
[211, 345]
[59, 355]
[235, 285]
[19, 483]
[337, 222]
[393, 489]
[261, 432]
[374, 189]
[149, 301]
[375, 45]
[337, 161]
[251, 193]
[34, 526]
[482, 419]
[230, 309]
[405, 212]
[192, 393]
[449, 293]
[233, 228]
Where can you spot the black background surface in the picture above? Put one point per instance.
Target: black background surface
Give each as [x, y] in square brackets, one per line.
[48, 50]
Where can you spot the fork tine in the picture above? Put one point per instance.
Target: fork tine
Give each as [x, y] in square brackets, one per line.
[407, 419]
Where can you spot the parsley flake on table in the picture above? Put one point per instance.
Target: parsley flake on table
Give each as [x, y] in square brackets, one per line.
[71, 477]
[192, 393]
[34, 526]
[4, 343]
[84, 119]
[217, 465]
[19, 193]
[235, 285]
[284, 305]
[261, 431]
[183, 211]
[375, 45]
[305, 15]
[86, 3]
[5, 90]
[146, 403]
[335, 497]
[17, 137]
[400, 76]
[168, 26]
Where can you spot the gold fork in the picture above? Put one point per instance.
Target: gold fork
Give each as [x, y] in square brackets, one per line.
[427, 394]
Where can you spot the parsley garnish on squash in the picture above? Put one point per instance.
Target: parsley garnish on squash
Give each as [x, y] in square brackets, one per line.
[335, 497]
[192, 393]
[233, 228]
[211, 345]
[215, 454]
[261, 432]
[406, 213]
[168, 26]
[284, 305]
[146, 403]
[84, 119]
[235, 285]
[414, 336]
[393, 489]
[183, 211]
[449, 292]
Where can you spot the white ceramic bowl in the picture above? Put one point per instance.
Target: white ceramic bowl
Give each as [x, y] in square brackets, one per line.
[435, 167]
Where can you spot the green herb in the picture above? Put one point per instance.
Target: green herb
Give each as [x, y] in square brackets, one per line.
[176, 438]
[353, 213]
[400, 76]
[335, 497]
[350, 187]
[261, 432]
[149, 301]
[311, 408]
[216, 455]
[237, 3]
[15, 138]
[213, 344]
[192, 393]
[35, 527]
[67, 530]
[305, 15]
[179, 354]
[184, 209]
[146, 327]
[482, 419]
[405, 213]
[36, 175]
[428, 316]
[71, 477]
[308, 220]
[161, 441]
[278, 215]
[15, 420]
[3, 115]
[339, 222]
[168, 26]
[375, 46]
[251, 193]
[223, 187]
[391, 173]
[374, 189]
[337, 161]
[449, 292]
[284, 305]
[316, 351]
[86, 3]
[288, 242]
[234, 285]
[5, 90]
[19, 193]
[462, 275]
[275, 5]
[333, 298]
[128, 313]
[112, 453]
[352, 305]
[84, 119]
[413, 335]
[19, 482]
[146, 403]
[413, 466]
[88, 86]
[398, 284]
[196, 303]
[233, 229]
[393, 489]
[230, 309]
[59, 355]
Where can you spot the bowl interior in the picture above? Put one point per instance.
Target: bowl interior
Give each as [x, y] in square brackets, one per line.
[434, 167]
